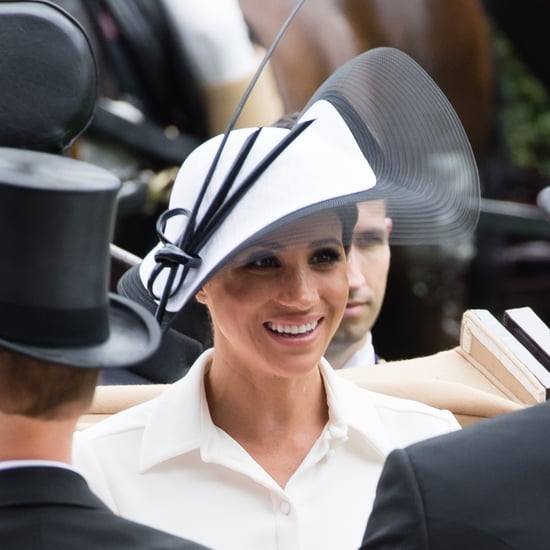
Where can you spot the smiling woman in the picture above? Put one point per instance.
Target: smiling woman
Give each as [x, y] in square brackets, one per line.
[289, 303]
[290, 300]
[261, 444]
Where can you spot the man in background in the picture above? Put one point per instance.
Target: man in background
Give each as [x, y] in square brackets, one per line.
[368, 267]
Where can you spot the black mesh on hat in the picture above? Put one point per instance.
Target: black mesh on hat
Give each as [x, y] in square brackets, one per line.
[414, 142]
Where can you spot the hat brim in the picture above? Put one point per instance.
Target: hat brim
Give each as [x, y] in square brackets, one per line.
[134, 336]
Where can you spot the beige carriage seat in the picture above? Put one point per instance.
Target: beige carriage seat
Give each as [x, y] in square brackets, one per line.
[489, 373]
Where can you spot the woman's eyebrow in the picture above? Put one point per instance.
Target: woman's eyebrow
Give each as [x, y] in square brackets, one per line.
[326, 242]
[281, 246]
[267, 246]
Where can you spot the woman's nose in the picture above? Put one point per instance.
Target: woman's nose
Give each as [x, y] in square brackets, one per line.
[298, 288]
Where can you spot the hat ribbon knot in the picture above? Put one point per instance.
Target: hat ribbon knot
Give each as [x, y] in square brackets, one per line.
[171, 255]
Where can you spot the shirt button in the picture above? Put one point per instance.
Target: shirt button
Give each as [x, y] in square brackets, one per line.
[285, 507]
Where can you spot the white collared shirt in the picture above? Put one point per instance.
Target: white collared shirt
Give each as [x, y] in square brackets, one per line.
[164, 463]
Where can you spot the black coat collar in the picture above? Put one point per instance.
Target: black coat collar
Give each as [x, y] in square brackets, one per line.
[45, 485]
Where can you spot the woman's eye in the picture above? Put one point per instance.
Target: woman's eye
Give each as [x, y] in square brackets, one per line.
[326, 256]
[263, 262]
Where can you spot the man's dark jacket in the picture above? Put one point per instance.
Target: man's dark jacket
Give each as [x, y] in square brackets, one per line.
[485, 487]
[51, 508]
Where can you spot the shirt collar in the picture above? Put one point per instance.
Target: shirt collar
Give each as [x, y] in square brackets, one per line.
[174, 426]
[180, 421]
[352, 408]
[363, 357]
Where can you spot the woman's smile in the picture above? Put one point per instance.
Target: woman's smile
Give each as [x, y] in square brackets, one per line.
[294, 334]
[292, 329]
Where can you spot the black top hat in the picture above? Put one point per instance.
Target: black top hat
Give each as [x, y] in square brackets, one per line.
[56, 221]
[49, 77]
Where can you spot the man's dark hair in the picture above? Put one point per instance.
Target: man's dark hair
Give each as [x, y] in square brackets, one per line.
[37, 389]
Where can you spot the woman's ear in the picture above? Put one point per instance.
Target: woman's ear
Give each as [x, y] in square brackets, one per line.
[200, 296]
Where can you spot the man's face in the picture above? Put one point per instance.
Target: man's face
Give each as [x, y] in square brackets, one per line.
[368, 266]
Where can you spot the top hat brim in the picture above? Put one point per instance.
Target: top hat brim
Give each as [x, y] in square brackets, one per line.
[134, 336]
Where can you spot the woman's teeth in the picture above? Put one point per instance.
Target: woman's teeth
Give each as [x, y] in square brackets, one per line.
[292, 329]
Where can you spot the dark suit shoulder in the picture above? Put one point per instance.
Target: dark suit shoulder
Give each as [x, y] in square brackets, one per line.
[50, 507]
[484, 487]
[489, 482]
[137, 536]
[107, 530]
[397, 520]
[62, 527]
[487, 440]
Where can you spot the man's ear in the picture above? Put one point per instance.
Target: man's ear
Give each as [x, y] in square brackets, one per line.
[389, 225]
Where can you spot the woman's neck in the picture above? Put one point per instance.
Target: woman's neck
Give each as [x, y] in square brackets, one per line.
[277, 420]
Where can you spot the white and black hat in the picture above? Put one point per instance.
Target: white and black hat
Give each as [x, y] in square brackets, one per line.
[378, 128]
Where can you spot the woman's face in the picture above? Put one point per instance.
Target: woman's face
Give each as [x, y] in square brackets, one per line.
[277, 308]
